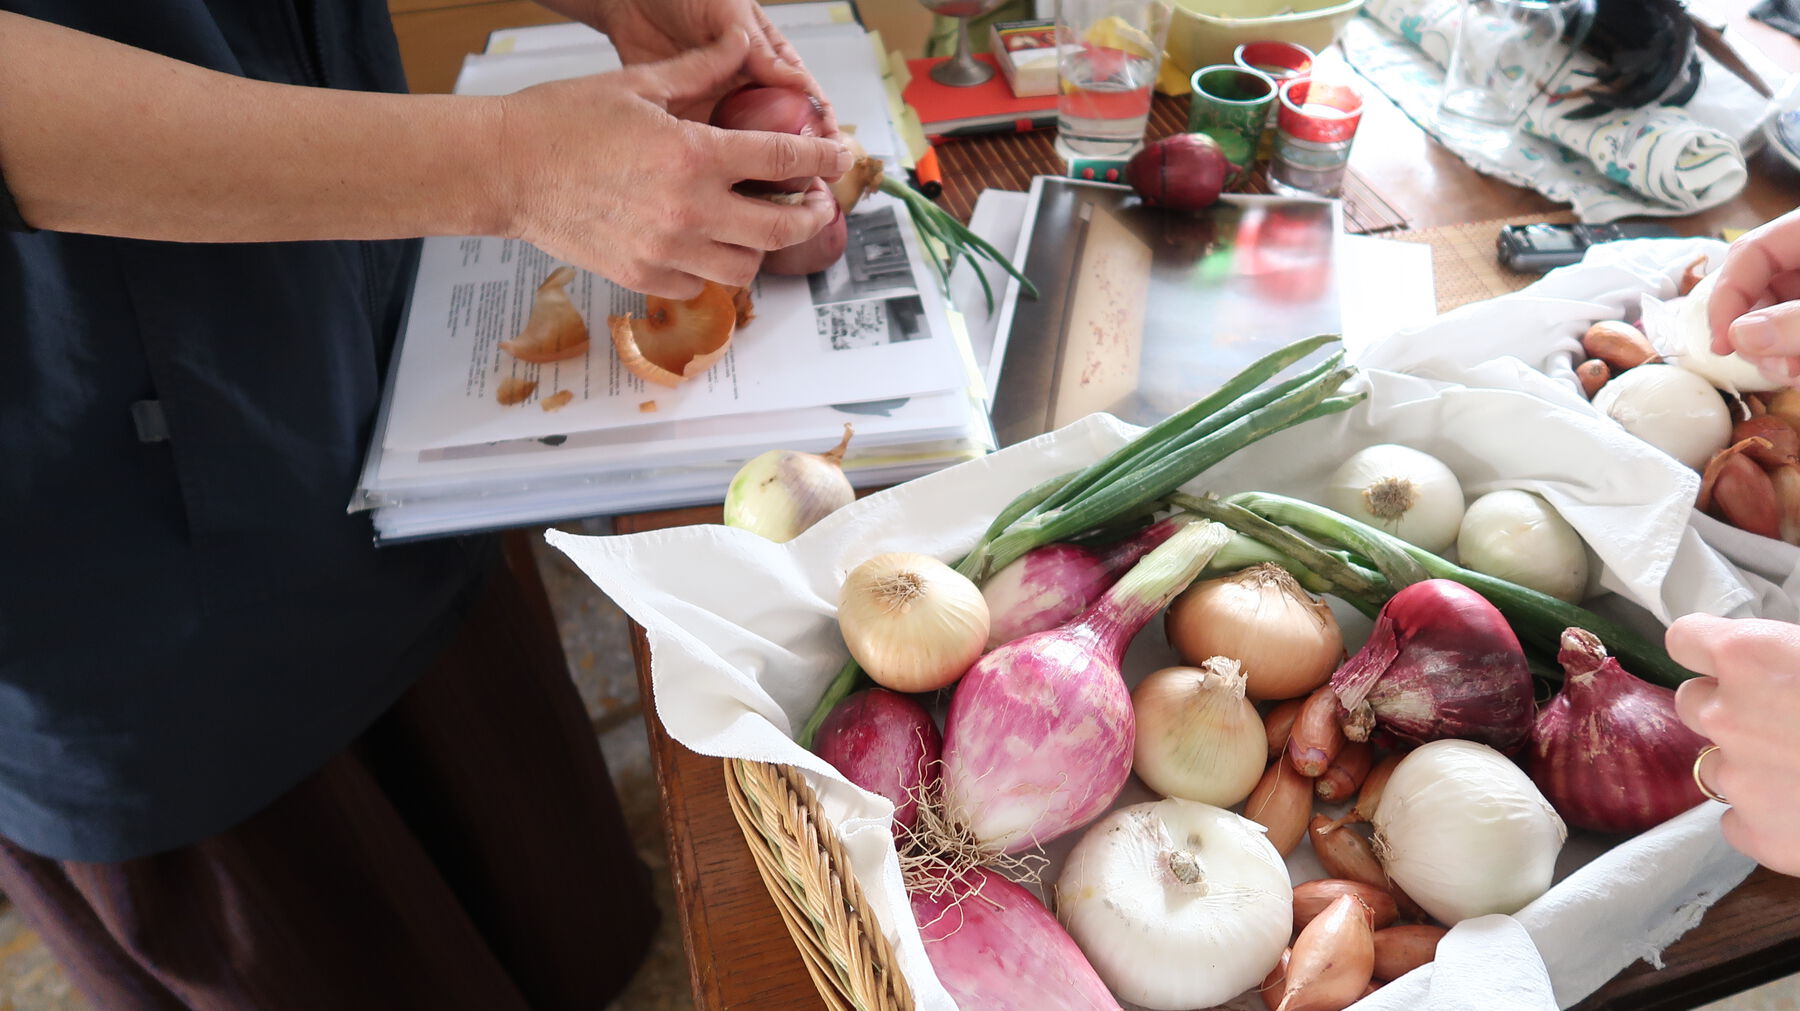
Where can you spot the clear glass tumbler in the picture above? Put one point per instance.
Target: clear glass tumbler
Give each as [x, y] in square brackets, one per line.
[1109, 52]
[1506, 53]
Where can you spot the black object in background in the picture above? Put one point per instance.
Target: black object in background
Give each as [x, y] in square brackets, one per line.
[1535, 249]
[1783, 14]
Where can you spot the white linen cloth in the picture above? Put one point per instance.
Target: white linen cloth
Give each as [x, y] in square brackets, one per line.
[743, 638]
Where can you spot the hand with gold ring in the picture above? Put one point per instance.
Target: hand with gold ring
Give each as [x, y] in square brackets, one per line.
[1747, 702]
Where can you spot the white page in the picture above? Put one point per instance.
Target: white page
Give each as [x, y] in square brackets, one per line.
[830, 338]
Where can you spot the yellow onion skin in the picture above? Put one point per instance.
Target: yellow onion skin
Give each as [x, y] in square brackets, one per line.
[1288, 642]
[782, 492]
[1608, 752]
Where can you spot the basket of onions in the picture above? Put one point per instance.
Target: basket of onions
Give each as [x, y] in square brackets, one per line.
[1252, 708]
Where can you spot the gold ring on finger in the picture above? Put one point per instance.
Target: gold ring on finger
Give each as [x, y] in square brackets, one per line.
[1701, 782]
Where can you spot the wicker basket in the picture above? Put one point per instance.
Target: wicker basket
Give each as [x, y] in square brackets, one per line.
[806, 871]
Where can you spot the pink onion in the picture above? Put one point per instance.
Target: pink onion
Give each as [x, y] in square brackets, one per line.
[1048, 586]
[1185, 171]
[1609, 752]
[1441, 662]
[809, 256]
[995, 947]
[885, 743]
[772, 110]
[1040, 731]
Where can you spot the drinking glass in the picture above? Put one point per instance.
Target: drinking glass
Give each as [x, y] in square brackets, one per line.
[1109, 52]
[1231, 105]
[1506, 52]
[1314, 127]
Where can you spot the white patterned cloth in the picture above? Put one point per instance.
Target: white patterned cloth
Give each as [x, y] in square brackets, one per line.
[1657, 160]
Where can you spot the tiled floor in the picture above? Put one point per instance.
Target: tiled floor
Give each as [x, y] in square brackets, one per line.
[594, 637]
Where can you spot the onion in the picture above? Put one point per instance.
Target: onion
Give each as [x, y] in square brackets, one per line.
[1184, 171]
[1039, 736]
[1609, 751]
[912, 622]
[1047, 586]
[1441, 662]
[811, 255]
[1619, 344]
[994, 946]
[1345, 774]
[1177, 904]
[1465, 832]
[1691, 336]
[1312, 897]
[1670, 408]
[1400, 950]
[886, 744]
[1198, 738]
[1317, 737]
[1409, 494]
[772, 110]
[1518, 537]
[1734, 488]
[1281, 802]
[782, 492]
[1287, 640]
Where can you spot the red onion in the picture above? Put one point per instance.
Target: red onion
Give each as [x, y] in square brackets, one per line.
[995, 947]
[1441, 662]
[1040, 732]
[773, 110]
[1048, 586]
[885, 743]
[1185, 171]
[1609, 752]
[809, 256]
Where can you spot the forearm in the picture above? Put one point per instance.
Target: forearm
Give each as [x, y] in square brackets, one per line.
[102, 138]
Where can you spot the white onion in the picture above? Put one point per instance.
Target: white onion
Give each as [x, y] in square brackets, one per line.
[1692, 347]
[1409, 494]
[1517, 536]
[1672, 409]
[1177, 904]
[1465, 832]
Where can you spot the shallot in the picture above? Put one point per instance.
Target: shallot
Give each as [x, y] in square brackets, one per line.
[1047, 586]
[1281, 802]
[1441, 662]
[1040, 732]
[1177, 904]
[1609, 751]
[1399, 950]
[1332, 961]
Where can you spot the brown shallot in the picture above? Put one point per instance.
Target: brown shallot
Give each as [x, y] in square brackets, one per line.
[1333, 960]
[1344, 775]
[1739, 492]
[1278, 723]
[1593, 374]
[1619, 344]
[1782, 442]
[1317, 736]
[1312, 897]
[1400, 950]
[1281, 802]
[1369, 797]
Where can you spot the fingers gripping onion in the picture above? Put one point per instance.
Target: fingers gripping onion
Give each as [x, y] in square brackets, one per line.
[771, 110]
[809, 256]
[1177, 904]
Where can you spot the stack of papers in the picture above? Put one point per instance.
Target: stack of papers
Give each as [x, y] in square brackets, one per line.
[870, 341]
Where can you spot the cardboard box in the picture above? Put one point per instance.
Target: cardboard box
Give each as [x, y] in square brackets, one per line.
[1026, 54]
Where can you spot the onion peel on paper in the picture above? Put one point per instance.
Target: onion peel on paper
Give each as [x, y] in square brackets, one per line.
[513, 390]
[676, 340]
[554, 331]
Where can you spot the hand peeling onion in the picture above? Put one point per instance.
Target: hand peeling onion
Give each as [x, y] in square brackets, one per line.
[1465, 832]
[1409, 494]
[912, 622]
[1177, 904]
[809, 256]
[771, 110]
[1692, 339]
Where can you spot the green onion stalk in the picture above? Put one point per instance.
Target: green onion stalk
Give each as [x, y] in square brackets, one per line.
[941, 229]
[1144, 472]
[1331, 553]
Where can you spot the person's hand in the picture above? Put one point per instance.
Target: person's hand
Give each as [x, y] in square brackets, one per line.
[596, 171]
[1748, 703]
[1753, 310]
[646, 31]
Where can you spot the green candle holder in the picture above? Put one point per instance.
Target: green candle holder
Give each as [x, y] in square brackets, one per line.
[1231, 104]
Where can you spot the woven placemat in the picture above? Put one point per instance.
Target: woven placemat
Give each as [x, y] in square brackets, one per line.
[1008, 161]
[1464, 263]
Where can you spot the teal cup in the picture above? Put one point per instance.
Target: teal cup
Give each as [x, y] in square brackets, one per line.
[1231, 104]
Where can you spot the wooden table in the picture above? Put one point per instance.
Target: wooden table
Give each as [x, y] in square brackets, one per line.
[740, 955]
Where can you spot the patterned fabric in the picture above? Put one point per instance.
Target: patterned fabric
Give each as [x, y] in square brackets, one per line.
[1654, 161]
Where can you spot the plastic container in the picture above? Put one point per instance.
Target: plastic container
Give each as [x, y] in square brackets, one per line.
[1205, 32]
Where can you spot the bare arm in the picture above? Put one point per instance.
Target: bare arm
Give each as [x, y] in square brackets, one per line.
[103, 138]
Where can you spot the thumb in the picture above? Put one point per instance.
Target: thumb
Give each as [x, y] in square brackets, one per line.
[697, 73]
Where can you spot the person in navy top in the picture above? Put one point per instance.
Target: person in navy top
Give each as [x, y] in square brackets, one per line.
[248, 759]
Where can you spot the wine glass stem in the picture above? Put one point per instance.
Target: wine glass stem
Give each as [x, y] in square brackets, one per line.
[963, 56]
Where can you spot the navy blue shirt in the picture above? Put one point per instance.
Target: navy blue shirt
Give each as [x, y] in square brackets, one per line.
[190, 622]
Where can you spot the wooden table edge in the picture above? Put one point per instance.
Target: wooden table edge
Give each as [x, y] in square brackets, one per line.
[1720, 956]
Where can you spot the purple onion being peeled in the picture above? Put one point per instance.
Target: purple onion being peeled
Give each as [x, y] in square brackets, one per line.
[1441, 662]
[1609, 752]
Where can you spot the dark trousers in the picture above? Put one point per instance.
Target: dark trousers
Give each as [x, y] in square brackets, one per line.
[466, 852]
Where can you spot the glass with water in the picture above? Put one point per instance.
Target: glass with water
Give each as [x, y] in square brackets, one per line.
[1506, 53]
[1108, 56]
